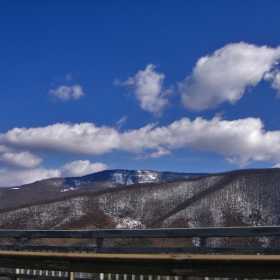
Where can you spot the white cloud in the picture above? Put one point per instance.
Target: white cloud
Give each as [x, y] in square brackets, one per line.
[65, 92]
[4, 149]
[121, 122]
[81, 167]
[225, 75]
[84, 138]
[274, 76]
[10, 178]
[240, 141]
[276, 83]
[160, 152]
[149, 90]
[23, 160]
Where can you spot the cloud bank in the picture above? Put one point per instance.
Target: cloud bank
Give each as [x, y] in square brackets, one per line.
[23, 160]
[241, 141]
[221, 77]
[10, 177]
[80, 168]
[225, 75]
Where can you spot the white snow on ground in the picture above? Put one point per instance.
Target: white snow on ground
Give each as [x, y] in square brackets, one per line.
[128, 223]
[129, 181]
[143, 177]
[146, 176]
[118, 177]
[69, 189]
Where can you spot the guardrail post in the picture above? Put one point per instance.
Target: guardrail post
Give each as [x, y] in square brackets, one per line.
[14, 276]
[99, 244]
[16, 243]
[71, 275]
[202, 244]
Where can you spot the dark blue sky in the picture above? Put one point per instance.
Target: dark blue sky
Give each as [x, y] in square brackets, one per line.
[82, 82]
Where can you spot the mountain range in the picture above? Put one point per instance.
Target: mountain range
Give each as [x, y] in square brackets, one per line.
[54, 188]
[109, 199]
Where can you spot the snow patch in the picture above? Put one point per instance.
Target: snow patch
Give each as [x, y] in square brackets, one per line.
[118, 178]
[129, 182]
[79, 182]
[128, 223]
[68, 189]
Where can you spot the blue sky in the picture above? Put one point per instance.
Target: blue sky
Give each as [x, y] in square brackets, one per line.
[187, 86]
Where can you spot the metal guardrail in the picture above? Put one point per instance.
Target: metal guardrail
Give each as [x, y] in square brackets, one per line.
[202, 234]
[185, 265]
[260, 262]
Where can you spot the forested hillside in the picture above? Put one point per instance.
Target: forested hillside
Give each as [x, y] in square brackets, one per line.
[238, 198]
[47, 190]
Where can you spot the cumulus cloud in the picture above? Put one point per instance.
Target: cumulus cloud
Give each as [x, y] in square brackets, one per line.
[225, 75]
[10, 178]
[23, 160]
[81, 167]
[274, 76]
[4, 149]
[149, 90]
[17, 177]
[84, 138]
[65, 92]
[276, 83]
[240, 141]
[159, 153]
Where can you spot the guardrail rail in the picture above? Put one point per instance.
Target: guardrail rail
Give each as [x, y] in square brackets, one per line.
[197, 260]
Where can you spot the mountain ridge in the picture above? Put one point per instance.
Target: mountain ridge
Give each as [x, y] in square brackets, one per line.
[128, 177]
[236, 198]
[169, 193]
[59, 188]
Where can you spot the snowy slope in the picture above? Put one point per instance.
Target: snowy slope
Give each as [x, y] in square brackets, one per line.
[128, 177]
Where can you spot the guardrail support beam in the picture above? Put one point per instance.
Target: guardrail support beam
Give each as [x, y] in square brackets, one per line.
[99, 245]
[189, 265]
[71, 275]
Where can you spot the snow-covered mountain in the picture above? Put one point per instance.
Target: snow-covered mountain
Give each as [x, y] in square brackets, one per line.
[59, 188]
[237, 198]
[128, 177]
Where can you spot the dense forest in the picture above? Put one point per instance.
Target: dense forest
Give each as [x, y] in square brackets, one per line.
[237, 198]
